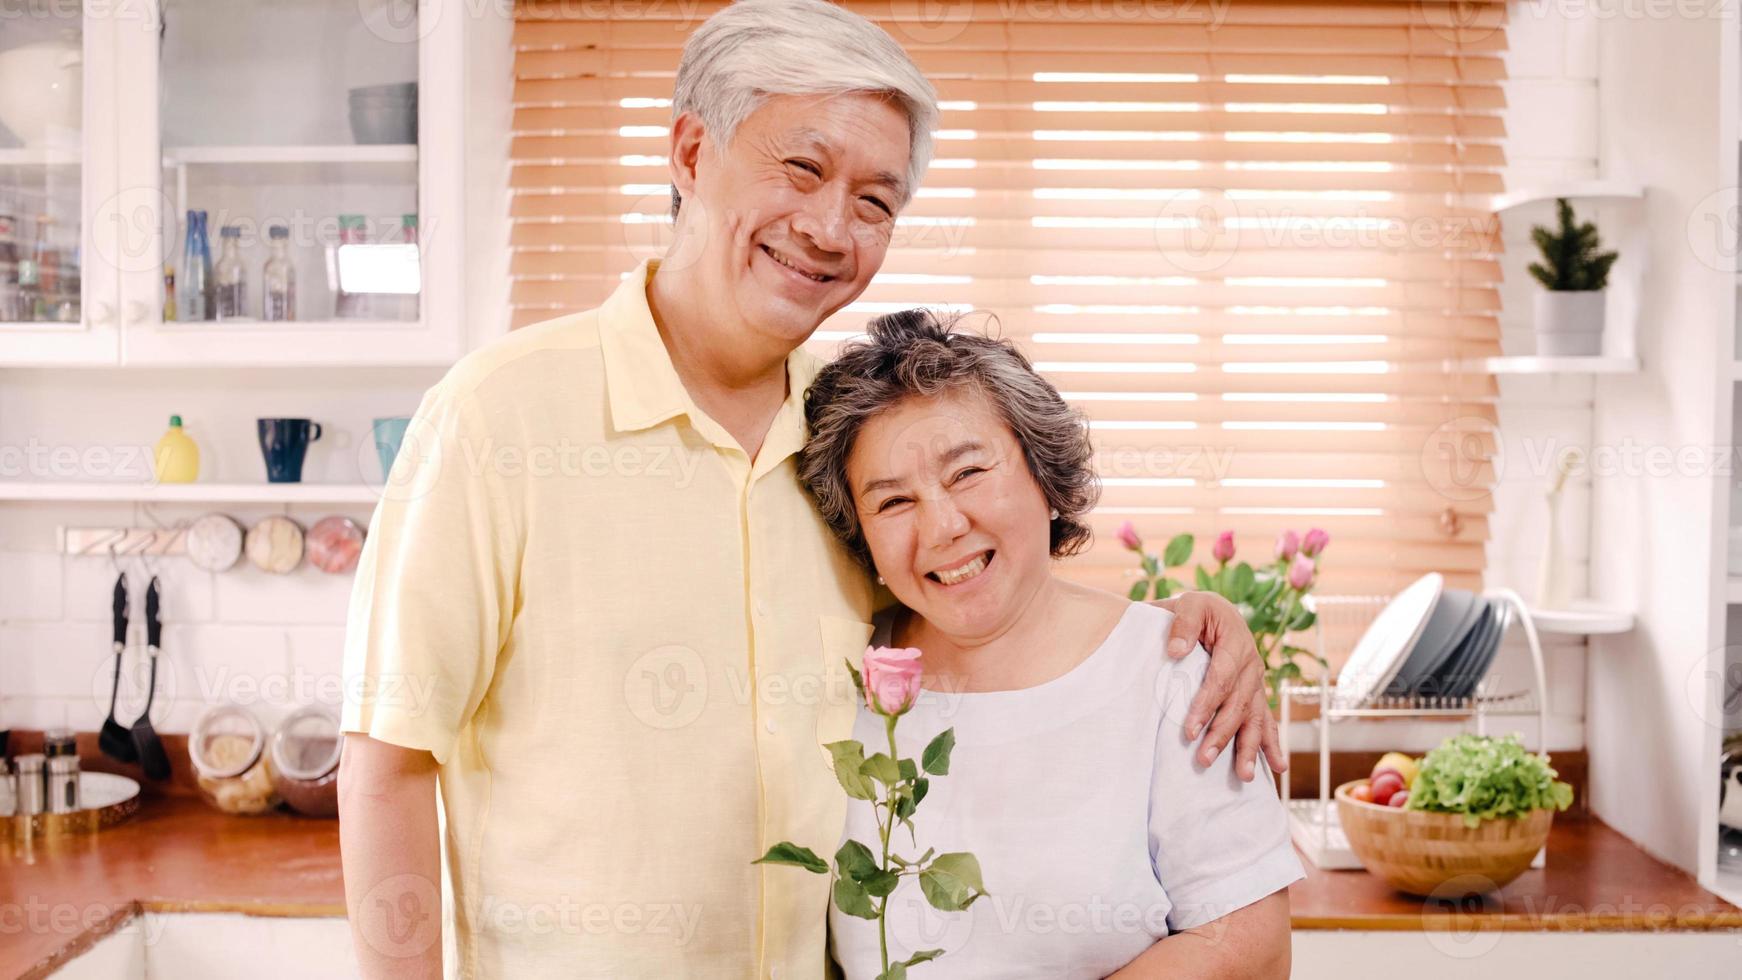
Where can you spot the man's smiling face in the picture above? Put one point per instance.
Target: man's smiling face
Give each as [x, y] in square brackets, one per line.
[798, 210]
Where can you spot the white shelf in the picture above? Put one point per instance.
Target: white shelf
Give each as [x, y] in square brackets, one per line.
[265, 493]
[1595, 364]
[1575, 188]
[1733, 590]
[261, 155]
[1582, 619]
[32, 156]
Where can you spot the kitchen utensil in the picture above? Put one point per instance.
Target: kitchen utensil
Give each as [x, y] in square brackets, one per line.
[1434, 853]
[275, 544]
[1452, 618]
[114, 739]
[1449, 676]
[334, 544]
[1379, 653]
[284, 444]
[214, 542]
[152, 758]
[41, 86]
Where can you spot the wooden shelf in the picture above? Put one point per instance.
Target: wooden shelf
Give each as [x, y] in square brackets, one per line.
[1575, 188]
[263, 493]
[1595, 364]
[263, 155]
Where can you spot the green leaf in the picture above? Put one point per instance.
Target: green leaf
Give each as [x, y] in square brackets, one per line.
[855, 860]
[786, 852]
[909, 771]
[1303, 619]
[1205, 583]
[919, 789]
[936, 758]
[1149, 565]
[952, 883]
[849, 755]
[1174, 586]
[1243, 582]
[858, 680]
[882, 768]
[881, 883]
[896, 971]
[1178, 550]
[905, 804]
[851, 898]
[922, 956]
[1139, 589]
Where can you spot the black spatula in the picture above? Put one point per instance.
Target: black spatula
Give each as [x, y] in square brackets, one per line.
[152, 758]
[114, 739]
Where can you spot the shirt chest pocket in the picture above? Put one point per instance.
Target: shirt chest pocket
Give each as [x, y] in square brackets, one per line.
[843, 642]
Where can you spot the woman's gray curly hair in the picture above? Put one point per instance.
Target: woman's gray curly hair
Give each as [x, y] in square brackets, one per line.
[914, 353]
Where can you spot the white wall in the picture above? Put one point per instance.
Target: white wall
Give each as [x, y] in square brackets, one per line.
[270, 640]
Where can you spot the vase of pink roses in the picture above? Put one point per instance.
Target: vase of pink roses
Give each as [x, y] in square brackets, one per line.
[864, 875]
[1270, 596]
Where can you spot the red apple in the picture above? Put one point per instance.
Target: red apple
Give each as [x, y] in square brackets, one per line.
[1382, 770]
[1363, 792]
[1399, 798]
[1383, 787]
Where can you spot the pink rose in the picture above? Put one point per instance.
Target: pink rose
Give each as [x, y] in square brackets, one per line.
[1287, 543]
[1128, 537]
[892, 676]
[1300, 572]
[1314, 542]
[1224, 548]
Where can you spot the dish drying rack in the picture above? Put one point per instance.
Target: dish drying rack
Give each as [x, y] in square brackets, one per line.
[1313, 823]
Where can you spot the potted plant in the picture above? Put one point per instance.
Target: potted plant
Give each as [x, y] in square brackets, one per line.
[1270, 597]
[1569, 312]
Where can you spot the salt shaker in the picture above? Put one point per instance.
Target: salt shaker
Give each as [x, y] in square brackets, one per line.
[30, 784]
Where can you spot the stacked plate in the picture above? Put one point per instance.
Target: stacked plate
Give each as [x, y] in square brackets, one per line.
[1428, 642]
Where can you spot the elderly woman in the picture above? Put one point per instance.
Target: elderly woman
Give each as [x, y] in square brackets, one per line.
[958, 476]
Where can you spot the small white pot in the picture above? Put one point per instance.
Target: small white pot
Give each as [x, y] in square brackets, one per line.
[1569, 323]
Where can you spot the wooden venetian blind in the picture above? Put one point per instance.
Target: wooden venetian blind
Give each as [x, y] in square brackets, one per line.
[1249, 239]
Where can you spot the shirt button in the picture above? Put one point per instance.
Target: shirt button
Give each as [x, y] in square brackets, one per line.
[762, 609]
[768, 725]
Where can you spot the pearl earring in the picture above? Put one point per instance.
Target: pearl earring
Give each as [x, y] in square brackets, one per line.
[880, 580]
[1055, 513]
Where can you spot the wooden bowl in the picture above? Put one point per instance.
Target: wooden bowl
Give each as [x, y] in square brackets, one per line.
[1434, 854]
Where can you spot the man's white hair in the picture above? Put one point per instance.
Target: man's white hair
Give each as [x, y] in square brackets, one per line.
[757, 48]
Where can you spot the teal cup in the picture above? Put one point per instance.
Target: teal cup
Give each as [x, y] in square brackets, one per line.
[389, 433]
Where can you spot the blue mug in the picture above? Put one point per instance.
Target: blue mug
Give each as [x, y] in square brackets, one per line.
[389, 433]
[284, 443]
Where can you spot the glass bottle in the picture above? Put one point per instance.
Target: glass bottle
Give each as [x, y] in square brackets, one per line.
[409, 308]
[278, 279]
[11, 305]
[196, 271]
[230, 280]
[348, 304]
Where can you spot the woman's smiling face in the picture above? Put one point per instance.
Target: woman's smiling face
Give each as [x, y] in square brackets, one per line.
[954, 520]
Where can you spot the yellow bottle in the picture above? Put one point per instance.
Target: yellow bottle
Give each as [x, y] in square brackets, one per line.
[177, 459]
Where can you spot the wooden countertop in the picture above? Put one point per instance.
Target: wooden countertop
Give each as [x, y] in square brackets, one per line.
[179, 855]
[176, 854]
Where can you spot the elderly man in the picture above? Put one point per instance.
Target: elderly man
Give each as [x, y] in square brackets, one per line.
[623, 667]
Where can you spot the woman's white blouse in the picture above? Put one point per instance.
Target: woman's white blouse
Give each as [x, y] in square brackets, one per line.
[1096, 830]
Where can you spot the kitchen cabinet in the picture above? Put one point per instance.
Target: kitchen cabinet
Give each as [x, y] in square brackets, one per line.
[340, 121]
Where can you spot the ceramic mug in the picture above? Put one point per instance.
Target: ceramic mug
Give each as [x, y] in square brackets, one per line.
[284, 444]
[389, 433]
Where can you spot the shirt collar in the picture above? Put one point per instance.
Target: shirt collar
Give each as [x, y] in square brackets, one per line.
[644, 388]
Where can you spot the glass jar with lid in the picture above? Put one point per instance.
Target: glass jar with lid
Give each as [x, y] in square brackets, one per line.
[305, 761]
[228, 750]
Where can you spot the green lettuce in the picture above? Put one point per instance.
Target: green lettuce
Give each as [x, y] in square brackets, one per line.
[1485, 778]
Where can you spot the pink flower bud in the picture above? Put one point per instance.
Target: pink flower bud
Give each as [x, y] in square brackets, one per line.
[1224, 547]
[1314, 542]
[1128, 537]
[1300, 572]
[891, 676]
[1287, 543]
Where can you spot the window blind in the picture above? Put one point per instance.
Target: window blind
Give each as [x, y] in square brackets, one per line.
[1251, 240]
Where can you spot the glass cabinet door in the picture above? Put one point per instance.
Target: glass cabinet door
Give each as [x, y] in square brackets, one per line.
[57, 294]
[287, 164]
